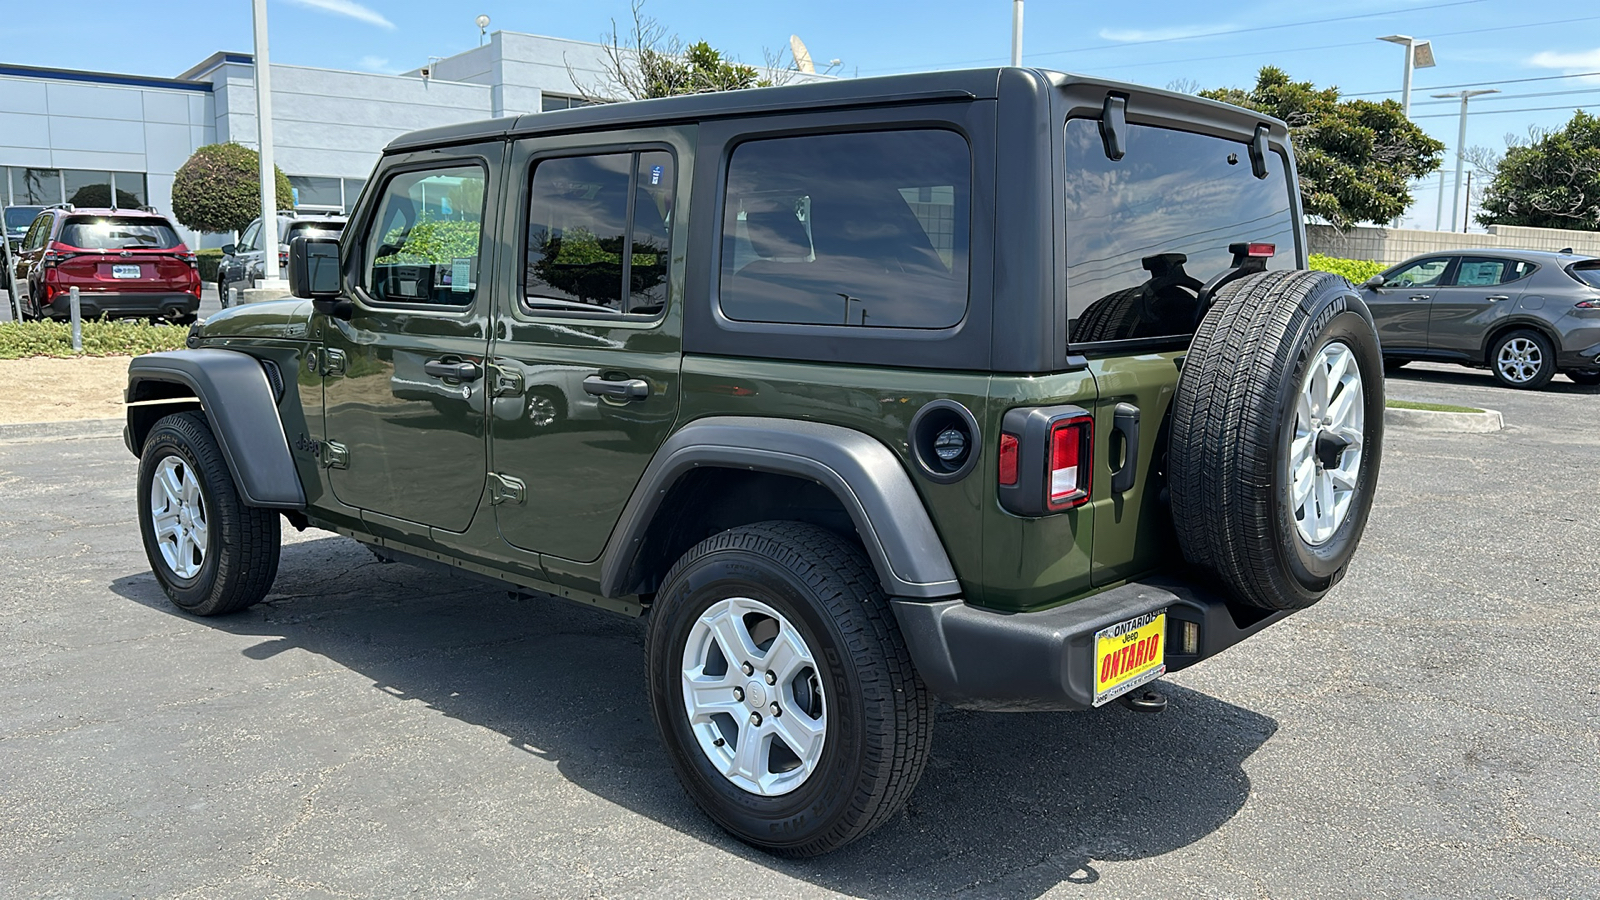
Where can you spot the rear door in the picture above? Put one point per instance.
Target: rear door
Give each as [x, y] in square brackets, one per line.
[1402, 305]
[404, 377]
[587, 346]
[1481, 291]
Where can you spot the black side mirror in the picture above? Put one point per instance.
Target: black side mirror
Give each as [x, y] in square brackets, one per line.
[1375, 281]
[314, 274]
[230, 249]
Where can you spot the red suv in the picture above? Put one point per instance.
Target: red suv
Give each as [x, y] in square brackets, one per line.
[124, 263]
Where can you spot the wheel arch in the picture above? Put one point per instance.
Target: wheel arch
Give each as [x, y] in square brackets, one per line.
[1501, 329]
[722, 472]
[241, 406]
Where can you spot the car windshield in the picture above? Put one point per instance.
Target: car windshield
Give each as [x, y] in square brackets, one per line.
[18, 218]
[118, 233]
[1587, 272]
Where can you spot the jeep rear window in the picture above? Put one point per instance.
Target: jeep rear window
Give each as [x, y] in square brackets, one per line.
[867, 229]
[118, 233]
[1145, 232]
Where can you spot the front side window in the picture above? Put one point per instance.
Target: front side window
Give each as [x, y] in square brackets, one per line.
[118, 233]
[1423, 273]
[598, 232]
[867, 230]
[1146, 232]
[422, 247]
[250, 240]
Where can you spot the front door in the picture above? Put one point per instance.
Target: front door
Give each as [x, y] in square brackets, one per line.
[1482, 290]
[587, 347]
[1400, 308]
[404, 385]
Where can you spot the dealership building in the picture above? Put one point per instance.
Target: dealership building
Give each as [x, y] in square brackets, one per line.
[69, 136]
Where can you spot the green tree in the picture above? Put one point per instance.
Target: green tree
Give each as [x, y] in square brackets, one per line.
[648, 62]
[1553, 181]
[1356, 158]
[219, 189]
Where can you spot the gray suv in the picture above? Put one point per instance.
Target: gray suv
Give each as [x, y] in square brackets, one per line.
[241, 263]
[1524, 314]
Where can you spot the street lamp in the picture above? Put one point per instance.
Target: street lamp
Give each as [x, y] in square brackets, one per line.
[271, 278]
[1419, 55]
[1461, 145]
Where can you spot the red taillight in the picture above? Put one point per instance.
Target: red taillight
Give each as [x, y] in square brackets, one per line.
[1008, 459]
[283, 261]
[191, 259]
[51, 257]
[1588, 304]
[1070, 455]
[1264, 251]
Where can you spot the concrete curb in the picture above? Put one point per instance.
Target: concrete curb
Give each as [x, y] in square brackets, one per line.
[1484, 422]
[73, 428]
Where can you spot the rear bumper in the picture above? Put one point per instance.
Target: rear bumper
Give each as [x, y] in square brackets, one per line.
[1586, 358]
[976, 658]
[94, 304]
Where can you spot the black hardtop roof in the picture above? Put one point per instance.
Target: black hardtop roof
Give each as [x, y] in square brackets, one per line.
[963, 84]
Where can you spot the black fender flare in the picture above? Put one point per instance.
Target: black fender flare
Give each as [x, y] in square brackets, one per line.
[862, 473]
[239, 403]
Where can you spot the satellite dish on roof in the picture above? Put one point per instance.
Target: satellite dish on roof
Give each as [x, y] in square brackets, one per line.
[802, 56]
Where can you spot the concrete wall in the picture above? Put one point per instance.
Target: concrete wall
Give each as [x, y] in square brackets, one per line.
[1393, 245]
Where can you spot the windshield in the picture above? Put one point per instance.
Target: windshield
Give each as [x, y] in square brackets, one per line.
[118, 233]
[18, 218]
[1587, 272]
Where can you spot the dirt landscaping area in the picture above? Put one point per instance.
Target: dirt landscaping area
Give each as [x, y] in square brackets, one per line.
[42, 389]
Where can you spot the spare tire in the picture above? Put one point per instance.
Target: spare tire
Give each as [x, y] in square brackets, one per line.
[1277, 432]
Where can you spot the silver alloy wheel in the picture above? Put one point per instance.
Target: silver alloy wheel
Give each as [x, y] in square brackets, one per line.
[1325, 451]
[753, 693]
[178, 514]
[1519, 360]
[541, 410]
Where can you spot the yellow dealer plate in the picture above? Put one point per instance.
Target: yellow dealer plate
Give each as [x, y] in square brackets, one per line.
[1129, 654]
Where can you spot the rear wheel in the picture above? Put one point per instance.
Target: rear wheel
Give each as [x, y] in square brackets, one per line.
[783, 689]
[1277, 430]
[1523, 359]
[211, 553]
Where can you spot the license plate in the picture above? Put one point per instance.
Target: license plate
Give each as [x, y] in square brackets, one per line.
[124, 271]
[1129, 654]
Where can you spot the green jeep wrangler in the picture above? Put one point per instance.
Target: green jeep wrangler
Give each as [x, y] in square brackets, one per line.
[1004, 388]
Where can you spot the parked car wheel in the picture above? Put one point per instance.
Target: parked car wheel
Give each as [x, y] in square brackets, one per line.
[1589, 377]
[783, 689]
[222, 293]
[210, 552]
[1523, 359]
[546, 408]
[1283, 387]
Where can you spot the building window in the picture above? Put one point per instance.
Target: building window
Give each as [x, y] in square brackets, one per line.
[552, 102]
[326, 194]
[42, 187]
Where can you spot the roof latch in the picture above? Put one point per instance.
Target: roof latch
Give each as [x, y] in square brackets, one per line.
[1114, 126]
[1258, 152]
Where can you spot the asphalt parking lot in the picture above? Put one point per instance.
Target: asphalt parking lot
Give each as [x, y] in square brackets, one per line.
[1429, 730]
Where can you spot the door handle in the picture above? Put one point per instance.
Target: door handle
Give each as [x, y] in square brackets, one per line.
[1125, 421]
[631, 389]
[1422, 297]
[460, 370]
[1498, 297]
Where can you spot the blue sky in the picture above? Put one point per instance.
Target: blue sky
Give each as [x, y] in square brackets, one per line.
[1148, 41]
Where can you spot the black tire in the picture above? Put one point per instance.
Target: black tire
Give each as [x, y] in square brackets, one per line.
[1541, 376]
[241, 554]
[880, 714]
[1587, 377]
[1233, 421]
[222, 294]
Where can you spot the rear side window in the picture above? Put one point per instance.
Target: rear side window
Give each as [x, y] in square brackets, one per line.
[1477, 271]
[118, 233]
[423, 244]
[868, 230]
[1144, 233]
[598, 232]
[1587, 272]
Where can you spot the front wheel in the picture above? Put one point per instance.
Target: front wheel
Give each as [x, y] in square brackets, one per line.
[211, 553]
[1523, 359]
[783, 690]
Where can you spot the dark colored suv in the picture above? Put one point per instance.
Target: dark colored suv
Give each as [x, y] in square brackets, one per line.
[1002, 387]
[1523, 314]
[124, 262]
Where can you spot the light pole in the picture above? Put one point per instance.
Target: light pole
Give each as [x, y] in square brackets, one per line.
[1461, 145]
[269, 183]
[1419, 55]
[1016, 32]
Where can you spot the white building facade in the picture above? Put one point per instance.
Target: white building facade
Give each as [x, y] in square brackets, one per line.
[69, 136]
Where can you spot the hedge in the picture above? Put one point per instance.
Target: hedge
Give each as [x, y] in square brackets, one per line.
[1357, 270]
[209, 261]
[120, 337]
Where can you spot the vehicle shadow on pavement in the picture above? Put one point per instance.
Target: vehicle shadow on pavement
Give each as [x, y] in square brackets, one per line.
[1010, 806]
[1483, 378]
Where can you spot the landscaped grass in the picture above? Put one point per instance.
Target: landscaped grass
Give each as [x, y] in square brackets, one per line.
[1429, 407]
[127, 337]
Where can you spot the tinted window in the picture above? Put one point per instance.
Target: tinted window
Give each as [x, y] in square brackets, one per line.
[582, 251]
[297, 228]
[863, 229]
[1145, 232]
[1425, 273]
[19, 217]
[1587, 272]
[1476, 271]
[117, 233]
[422, 247]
